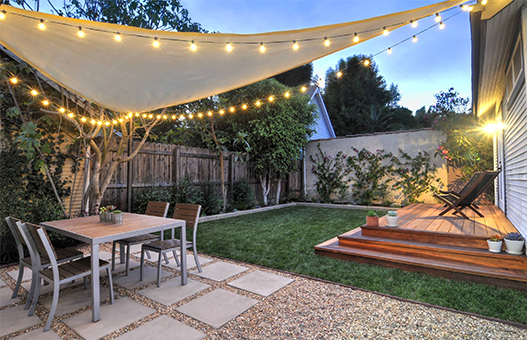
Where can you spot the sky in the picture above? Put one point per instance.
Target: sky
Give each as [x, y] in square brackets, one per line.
[439, 60]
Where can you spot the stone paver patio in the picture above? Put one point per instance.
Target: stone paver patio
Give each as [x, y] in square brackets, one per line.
[230, 300]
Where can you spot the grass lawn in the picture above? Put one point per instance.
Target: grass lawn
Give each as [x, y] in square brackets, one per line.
[284, 239]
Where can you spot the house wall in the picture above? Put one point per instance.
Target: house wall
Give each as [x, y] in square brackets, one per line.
[410, 142]
[323, 128]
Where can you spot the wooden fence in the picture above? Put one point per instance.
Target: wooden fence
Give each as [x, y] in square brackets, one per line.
[161, 166]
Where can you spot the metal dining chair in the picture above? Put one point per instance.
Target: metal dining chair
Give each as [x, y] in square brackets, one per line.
[159, 209]
[39, 245]
[188, 212]
[63, 255]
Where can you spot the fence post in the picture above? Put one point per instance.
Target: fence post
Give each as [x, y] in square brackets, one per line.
[175, 167]
[129, 177]
[231, 175]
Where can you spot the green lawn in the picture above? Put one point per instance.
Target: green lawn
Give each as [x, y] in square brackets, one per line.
[284, 239]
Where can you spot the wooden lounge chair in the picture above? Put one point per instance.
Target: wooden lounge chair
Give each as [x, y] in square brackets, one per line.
[465, 198]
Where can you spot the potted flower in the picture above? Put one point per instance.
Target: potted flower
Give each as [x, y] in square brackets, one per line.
[109, 210]
[391, 219]
[514, 243]
[117, 217]
[495, 243]
[372, 219]
[102, 214]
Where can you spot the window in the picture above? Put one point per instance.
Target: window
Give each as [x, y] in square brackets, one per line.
[515, 69]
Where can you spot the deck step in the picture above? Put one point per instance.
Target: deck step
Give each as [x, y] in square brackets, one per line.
[426, 236]
[465, 255]
[515, 278]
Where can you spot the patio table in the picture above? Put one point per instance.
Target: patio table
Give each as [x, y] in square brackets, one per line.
[91, 231]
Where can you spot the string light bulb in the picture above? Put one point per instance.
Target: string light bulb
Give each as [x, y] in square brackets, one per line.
[389, 50]
[303, 89]
[231, 109]
[71, 115]
[117, 37]
[62, 110]
[356, 38]
[2, 15]
[366, 62]
[414, 39]
[41, 25]
[209, 113]
[385, 31]
[244, 106]
[34, 93]
[14, 80]
[295, 45]
[470, 8]
[156, 43]
[190, 116]
[99, 123]
[45, 102]
[464, 7]
[262, 48]
[150, 116]
[413, 23]
[258, 103]
[228, 47]
[174, 117]
[484, 2]
[144, 115]
[200, 115]
[181, 117]
[271, 99]
[339, 74]
[438, 17]
[222, 112]
[327, 42]
[107, 123]
[441, 25]
[83, 119]
[80, 33]
[287, 94]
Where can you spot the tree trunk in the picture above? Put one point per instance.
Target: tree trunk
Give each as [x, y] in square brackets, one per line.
[266, 187]
[278, 190]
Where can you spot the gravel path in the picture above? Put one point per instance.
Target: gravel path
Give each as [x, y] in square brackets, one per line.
[305, 309]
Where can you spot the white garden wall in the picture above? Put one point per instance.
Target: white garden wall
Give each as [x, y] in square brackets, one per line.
[411, 142]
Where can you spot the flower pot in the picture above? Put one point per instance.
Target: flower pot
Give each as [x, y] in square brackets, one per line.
[372, 221]
[117, 218]
[514, 247]
[391, 221]
[495, 246]
[102, 217]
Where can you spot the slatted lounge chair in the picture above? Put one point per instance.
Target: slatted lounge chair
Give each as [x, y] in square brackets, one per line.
[39, 245]
[159, 209]
[189, 213]
[466, 197]
[63, 255]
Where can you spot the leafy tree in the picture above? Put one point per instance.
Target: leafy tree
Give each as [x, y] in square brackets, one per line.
[350, 97]
[403, 119]
[296, 77]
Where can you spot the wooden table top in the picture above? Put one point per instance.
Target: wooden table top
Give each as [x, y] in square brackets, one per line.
[91, 230]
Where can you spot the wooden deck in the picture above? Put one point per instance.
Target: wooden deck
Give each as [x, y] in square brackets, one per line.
[448, 246]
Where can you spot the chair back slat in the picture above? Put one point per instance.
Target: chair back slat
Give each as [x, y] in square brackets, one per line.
[159, 209]
[471, 182]
[33, 231]
[478, 187]
[188, 212]
[11, 223]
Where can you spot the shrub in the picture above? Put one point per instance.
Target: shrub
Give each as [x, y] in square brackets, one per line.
[156, 194]
[185, 192]
[211, 199]
[243, 195]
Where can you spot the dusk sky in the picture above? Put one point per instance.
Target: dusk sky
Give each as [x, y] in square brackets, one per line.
[439, 60]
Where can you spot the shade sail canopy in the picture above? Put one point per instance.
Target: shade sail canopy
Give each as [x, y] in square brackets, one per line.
[134, 76]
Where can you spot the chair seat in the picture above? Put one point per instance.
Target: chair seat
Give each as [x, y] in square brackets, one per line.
[138, 239]
[74, 268]
[63, 255]
[165, 244]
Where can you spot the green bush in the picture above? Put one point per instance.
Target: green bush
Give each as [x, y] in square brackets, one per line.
[243, 195]
[185, 192]
[211, 199]
[156, 194]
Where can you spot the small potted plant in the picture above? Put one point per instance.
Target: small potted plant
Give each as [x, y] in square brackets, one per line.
[117, 217]
[102, 214]
[514, 243]
[392, 219]
[495, 243]
[372, 219]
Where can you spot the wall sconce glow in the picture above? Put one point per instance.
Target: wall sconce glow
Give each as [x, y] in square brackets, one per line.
[413, 23]
[464, 7]
[356, 38]
[484, 2]
[156, 43]
[385, 31]
[117, 37]
[193, 46]
[438, 17]
[80, 33]
[262, 48]
[441, 25]
[494, 127]
[295, 45]
[41, 25]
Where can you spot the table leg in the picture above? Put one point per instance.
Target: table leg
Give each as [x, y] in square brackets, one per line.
[183, 254]
[95, 283]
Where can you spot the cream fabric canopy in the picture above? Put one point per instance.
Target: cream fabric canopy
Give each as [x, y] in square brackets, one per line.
[134, 76]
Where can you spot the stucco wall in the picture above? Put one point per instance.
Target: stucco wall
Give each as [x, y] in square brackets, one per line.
[410, 142]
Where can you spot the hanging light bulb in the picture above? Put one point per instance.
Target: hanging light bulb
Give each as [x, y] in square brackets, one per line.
[366, 62]
[327, 42]
[137, 114]
[45, 102]
[228, 47]
[174, 117]
[99, 123]
[287, 94]
[441, 25]
[190, 116]
[107, 123]
[41, 25]
[271, 99]
[231, 109]
[200, 115]
[83, 119]
[80, 32]
[295, 45]
[464, 7]
[389, 50]
[484, 2]
[156, 43]
[117, 37]
[145, 115]
[2, 15]
[222, 112]
[262, 48]
[414, 23]
[71, 115]
[181, 117]
[438, 17]
[158, 117]
[414, 39]
[356, 38]
[303, 89]
[34, 93]
[14, 80]
[209, 113]
[62, 110]
[385, 31]
[120, 120]
[150, 116]
[339, 74]
[244, 106]
[258, 103]
[470, 8]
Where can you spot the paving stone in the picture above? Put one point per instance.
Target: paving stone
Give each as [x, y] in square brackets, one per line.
[15, 319]
[132, 280]
[217, 307]
[73, 300]
[39, 335]
[44, 289]
[163, 328]
[113, 317]
[155, 257]
[121, 267]
[171, 291]
[190, 262]
[261, 283]
[107, 255]
[5, 297]
[25, 277]
[220, 271]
